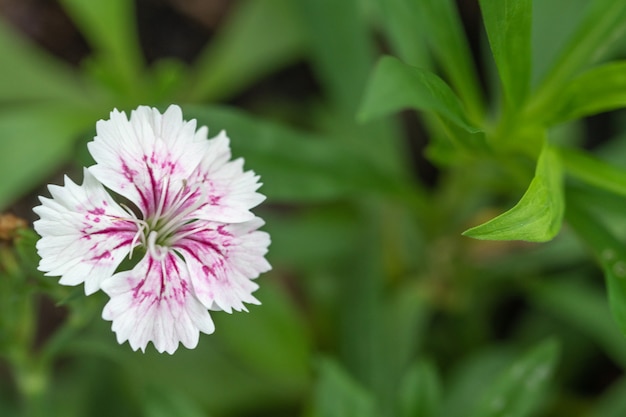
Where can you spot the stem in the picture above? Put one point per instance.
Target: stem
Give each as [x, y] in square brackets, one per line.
[32, 379]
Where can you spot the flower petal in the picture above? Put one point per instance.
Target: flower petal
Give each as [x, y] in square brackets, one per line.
[84, 233]
[148, 158]
[223, 259]
[230, 192]
[153, 302]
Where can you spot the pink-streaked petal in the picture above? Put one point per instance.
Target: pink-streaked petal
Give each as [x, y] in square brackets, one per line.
[223, 259]
[153, 302]
[84, 233]
[229, 192]
[148, 158]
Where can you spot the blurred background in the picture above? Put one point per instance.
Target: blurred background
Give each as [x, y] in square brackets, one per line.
[376, 306]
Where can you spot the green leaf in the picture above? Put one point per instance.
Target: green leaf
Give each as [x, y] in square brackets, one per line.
[258, 38]
[508, 24]
[518, 391]
[593, 171]
[550, 35]
[338, 395]
[597, 90]
[395, 86]
[583, 307]
[462, 393]
[272, 339]
[109, 26]
[402, 20]
[604, 22]
[420, 391]
[538, 215]
[35, 141]
[610, 253]
[296, 166]
[164, 401]
[28, 73]
[341, 49]
[612, 402]
[448, 41]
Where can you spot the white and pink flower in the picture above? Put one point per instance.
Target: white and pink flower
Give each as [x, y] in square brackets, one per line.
[186, 226]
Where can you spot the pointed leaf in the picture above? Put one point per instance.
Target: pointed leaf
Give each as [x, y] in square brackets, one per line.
[583, 307]
[257, 38]
[508, 24]
[593, 171]
[538, 215]
[610, 253]
[598, 90]
[518, 391]
[395, 86]
[403, 22]
[420, 391]
[35, 141]
[338, 395]
[166, 401]
[444, 32]
[109, 26]
[28, 73]
[341, 49]
[603, 25]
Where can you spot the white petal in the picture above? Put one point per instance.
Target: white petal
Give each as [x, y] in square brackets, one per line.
[148, 158]
[223, 259]
[230, 192]
[153, 302]
[84, 234]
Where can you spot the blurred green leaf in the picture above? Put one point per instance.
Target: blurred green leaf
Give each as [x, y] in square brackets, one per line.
[611, 254]
[340, 47]
[297, 166]
[508, 24]
[462, 392]
[395, 86]
[229, 63]
[272, 339]
[550, 35]
[538, 215]
[28, 73]
[34, 140]
[402, 20]
[600, 89]
[444, 31]
[584, 308]
[109, 26]
[612, 403]
[518, 390]
[420, 391]
[168, 402]
[593, 171]
[604, 22]
[338, 395]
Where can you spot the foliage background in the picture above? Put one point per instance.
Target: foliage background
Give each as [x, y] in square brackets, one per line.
[377, 304]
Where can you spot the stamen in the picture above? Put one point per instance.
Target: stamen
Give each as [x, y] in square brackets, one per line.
[157, 251]
[164, 189]
[141, 226]
[191, 231]
[179, 219]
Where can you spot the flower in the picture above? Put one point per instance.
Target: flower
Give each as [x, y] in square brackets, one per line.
[186, 225]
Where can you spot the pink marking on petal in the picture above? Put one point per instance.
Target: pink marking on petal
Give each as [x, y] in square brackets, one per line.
[104, 255]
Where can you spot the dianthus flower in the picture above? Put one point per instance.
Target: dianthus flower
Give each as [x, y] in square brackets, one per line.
[184, 221]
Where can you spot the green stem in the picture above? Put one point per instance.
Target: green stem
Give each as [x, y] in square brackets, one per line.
[32, 379]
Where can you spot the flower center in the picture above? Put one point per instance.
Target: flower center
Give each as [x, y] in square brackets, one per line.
[160, 230]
